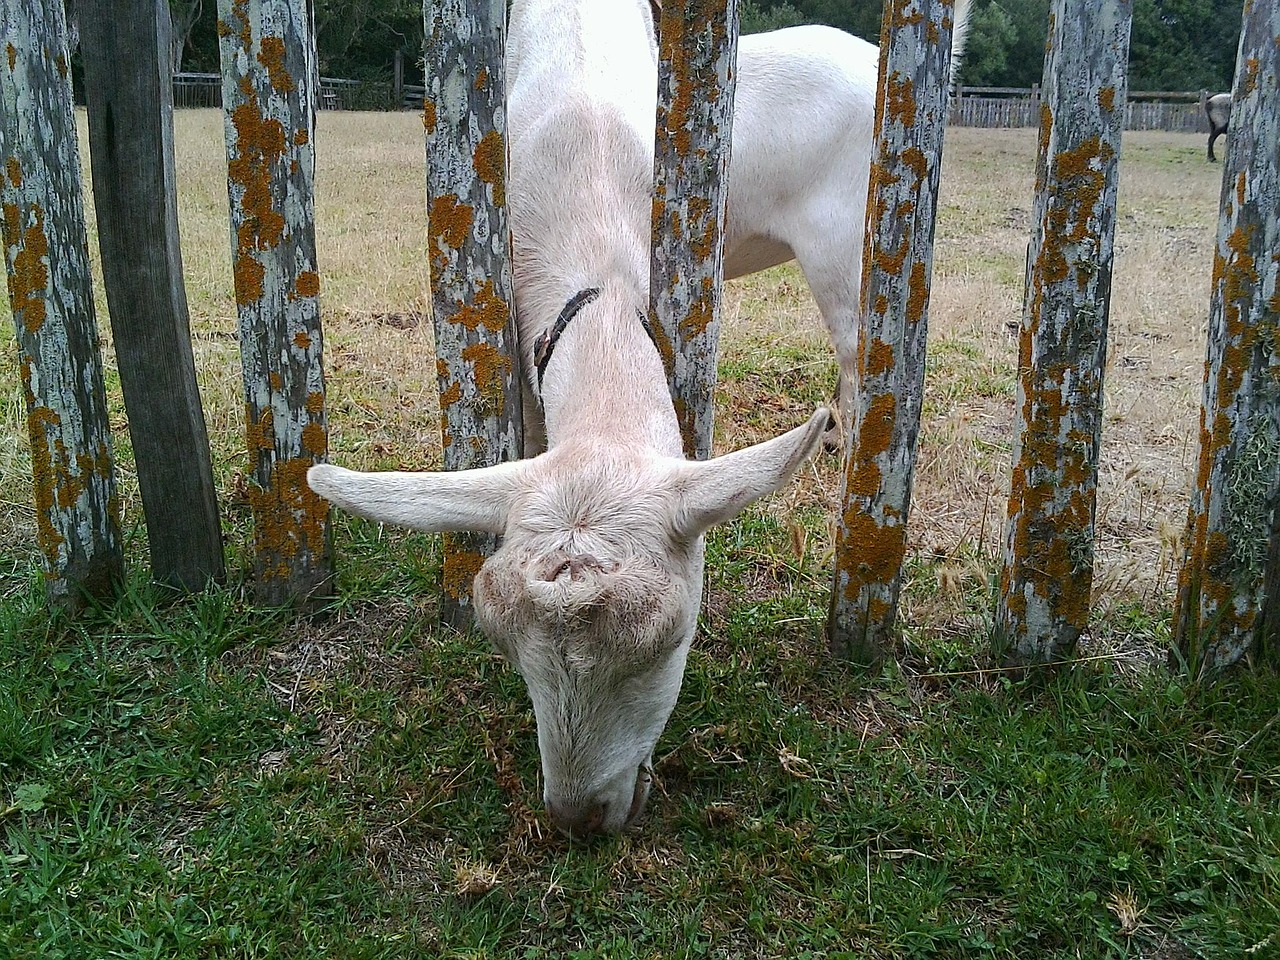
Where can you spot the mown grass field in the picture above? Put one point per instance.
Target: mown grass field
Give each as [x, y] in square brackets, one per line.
[199, 778]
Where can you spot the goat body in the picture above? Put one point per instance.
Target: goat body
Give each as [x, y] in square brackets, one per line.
[800, 157]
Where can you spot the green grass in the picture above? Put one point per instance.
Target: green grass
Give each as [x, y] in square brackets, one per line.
[197, 778]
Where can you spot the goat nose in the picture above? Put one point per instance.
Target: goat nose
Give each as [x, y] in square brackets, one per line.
[576, 821]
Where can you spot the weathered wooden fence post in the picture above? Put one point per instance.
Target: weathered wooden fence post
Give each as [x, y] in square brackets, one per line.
[469, 248]
[134, 189]
[51, 293]
[698, 52]
[1230, 581]
[269, 82]
[911, 114]
[1047, 572]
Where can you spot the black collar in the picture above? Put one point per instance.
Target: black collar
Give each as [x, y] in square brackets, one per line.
[546, 343]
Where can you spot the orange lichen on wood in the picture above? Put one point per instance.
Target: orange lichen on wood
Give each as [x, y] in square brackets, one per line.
[678, 119]
[29, 270]
[901, 103]
[491, 370]
[289, 519]
[913, 159]
[899, 19]
[487, 310]
[875, 551]
[879, 358]
[260, 434]
[260, 146]
[490, 159]
[450, 395]
[41, 422]
[917, 292]
[315, 440]
[875, 436]
[891, 262]
[307, 284]
[460, 569]
[698, 318]
[249, 275]
[448, 224]
[271, 55]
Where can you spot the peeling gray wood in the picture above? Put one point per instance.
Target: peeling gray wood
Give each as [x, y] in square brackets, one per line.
[1047, 572]
[51, 293]
[269, 83]
[131, 148]
[911, 113]
[698, 47]
[469, 249]
[1227, 591]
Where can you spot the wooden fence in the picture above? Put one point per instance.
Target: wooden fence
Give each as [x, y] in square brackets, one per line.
[971, 107]
[1047, 571]
[906, 166]
[1233, 561]
[1015, 107]
[192, 90]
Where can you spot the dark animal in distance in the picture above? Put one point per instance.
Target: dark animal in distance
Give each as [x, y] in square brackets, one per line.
[1218, 109]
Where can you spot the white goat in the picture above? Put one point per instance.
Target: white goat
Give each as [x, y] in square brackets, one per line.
[800, 158]
[595, 591]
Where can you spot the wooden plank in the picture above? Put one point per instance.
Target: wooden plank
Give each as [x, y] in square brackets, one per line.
[1047, 572]
[1227, 591]
[698, 50]
[911, 111]
[51, 293]
[269, 83]
[131, 149]
[469, 250]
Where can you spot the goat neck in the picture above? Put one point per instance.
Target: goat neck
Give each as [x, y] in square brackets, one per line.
[607, 382]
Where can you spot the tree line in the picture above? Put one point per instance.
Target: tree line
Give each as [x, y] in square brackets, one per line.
[1176, 44]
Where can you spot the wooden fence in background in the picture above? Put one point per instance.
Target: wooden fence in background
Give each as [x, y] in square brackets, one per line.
[994, 107]
[1175, 112]
[193, 90]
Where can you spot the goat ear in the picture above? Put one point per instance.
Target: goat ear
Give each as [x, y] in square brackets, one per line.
[433, 502]
[713, 491]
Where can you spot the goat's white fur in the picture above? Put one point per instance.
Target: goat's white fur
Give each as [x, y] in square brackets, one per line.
[594, 594]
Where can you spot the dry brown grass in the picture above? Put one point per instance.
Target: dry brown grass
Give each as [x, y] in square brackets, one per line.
[371, 224]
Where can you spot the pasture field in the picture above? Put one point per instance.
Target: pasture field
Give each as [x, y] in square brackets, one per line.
[199, 778]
